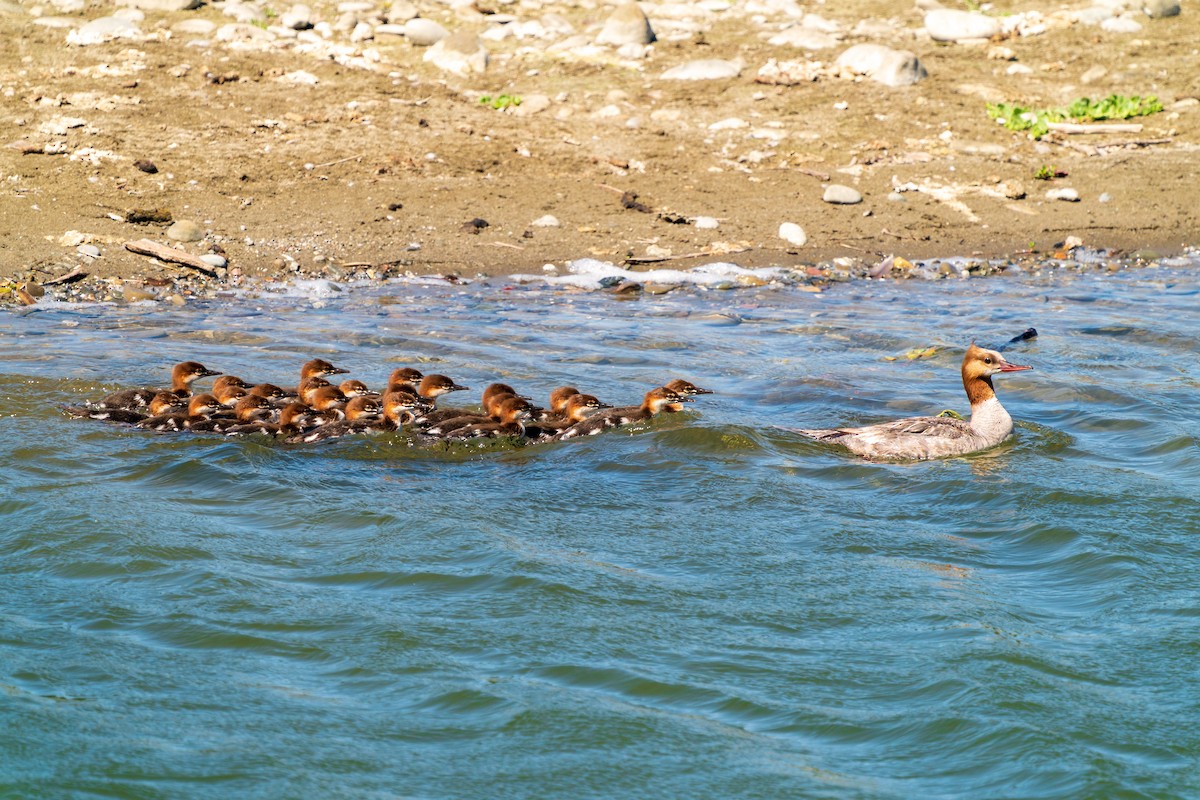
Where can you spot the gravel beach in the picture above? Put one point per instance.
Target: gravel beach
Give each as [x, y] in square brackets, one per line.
[163, 147]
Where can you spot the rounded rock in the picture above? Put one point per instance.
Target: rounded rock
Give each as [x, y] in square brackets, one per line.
[793, 234]
[626, 25]
[214, 260]
[184, 230]
[840, 195]
[952, 25]
[1157, 9]
[424, 32]
[1065, 193]
[883, 64]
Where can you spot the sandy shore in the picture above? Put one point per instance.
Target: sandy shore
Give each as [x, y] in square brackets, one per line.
[370, 161]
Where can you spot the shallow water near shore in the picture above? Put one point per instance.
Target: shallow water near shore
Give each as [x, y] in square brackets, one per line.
[708, 606]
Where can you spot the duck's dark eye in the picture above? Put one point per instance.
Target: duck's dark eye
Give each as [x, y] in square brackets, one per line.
[987, 360]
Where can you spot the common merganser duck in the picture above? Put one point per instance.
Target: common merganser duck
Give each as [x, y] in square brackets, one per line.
[362, 413]
[430, 388]
[404, 375]
[685, 388]
[319, 368]
[354, 388]
[308, 387]
[294, 418]
[447, 419]
[921, 438]
[182, 376]
[559, 398]
[328, 399]
[198, 409]
[578, 408]
[161, 403]
[398, 410]
[230, 396]
[249, 408]
[226, 382]
[655, 401]
[511, 417]
[272, 392]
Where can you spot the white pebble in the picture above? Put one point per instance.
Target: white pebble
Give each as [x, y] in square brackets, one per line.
[706, 223]
[793, 233]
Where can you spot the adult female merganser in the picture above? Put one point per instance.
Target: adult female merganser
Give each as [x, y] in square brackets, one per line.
[199, 407]
[655, 401]
[920, 438]
[182, 376]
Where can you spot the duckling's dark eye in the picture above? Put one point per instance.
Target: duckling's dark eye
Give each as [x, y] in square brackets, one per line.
[987, 360]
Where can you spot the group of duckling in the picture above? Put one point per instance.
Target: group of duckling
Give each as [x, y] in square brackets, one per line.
[317, 409]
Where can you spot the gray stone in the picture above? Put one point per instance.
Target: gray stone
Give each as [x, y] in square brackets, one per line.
[626, 25]
[708, 69]
[184, 230]
[298, 18]
[214, 260]
[103, 30]
[951, 25]
[162, 5]
[462, 53]
[424, 32]
[803, 38]
[89, 250]
[1121, 24]
[841, 195]
[198, 27]
[792, 233]
[401, 11]
[1065, 193]
[1157, 9]
[883, 65]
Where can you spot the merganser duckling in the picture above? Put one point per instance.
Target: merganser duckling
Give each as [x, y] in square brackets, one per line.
[921, 438]
[249, 408]
[578, 408]
[319, 368]
[404, 375]
[513, 413]
[271, 392]
[685, 388]
[329, 399]
[198, 409]
[182, 376]
[399, 410]
[308, 388]
[559, 398]
[655, 401]
[161, 403]
[230, 395]
[362, 414]
[450, 418]
[226, 382]
[353, 388]
[294, 418]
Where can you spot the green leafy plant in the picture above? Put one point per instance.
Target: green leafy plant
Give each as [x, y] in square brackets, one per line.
[1047, 172]
[1036, 121]
[500, 102]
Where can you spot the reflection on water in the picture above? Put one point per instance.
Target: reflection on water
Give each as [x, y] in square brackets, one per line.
[708, 606]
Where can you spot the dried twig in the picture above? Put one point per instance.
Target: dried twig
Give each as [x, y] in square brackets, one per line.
[702, 254]
[339, 161]
[1075, 127]
[146, 247]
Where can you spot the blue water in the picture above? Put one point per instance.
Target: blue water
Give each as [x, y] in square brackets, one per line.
[709, 606]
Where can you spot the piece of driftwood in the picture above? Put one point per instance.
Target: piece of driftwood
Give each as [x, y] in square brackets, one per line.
[76, 274]
[1075, 127]
[146, 247]
[701, 254]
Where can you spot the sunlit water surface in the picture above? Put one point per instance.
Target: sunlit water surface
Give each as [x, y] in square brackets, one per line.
[709, 606]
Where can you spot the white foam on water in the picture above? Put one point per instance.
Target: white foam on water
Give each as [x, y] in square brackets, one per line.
[587, 273]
